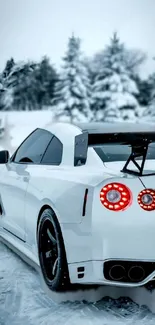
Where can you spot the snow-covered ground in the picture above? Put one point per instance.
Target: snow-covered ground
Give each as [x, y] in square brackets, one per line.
[24, 302]
[23, 299]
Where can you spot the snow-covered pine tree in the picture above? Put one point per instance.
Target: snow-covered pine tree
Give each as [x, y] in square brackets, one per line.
[72, 91]
[149, 112]
[152, 104]
[6, 96]
[8, 67]
[1, 95]
[45, 76]
[132, 58]
[145, 90]
[20, 87]
[113, 90]
[28, 85]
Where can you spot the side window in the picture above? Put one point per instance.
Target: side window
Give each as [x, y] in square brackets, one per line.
[33, 148]
[53, 154]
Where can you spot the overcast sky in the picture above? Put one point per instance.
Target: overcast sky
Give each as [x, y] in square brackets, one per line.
[30, 29]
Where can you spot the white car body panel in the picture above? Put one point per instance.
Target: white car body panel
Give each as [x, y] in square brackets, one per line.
[100, 235]
[13, 190]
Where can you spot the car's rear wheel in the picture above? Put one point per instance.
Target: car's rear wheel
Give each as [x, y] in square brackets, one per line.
[51, 251]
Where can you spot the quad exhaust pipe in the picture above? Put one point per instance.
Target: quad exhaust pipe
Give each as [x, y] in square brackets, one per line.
[118, 272]
[136, 273]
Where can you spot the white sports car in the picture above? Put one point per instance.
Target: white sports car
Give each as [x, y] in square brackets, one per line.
[78, 201]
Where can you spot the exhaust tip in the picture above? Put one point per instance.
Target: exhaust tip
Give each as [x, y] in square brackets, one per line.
[136, 273]
[117, 272]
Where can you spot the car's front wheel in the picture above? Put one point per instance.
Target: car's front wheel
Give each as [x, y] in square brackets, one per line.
[51, 251]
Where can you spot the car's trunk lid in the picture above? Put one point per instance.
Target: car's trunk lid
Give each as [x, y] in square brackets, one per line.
[148, 178]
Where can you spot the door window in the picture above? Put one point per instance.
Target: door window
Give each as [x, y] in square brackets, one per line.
[34, 147]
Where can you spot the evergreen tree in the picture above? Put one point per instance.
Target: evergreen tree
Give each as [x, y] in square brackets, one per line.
[132, 60]
[29, 86]
[145, 90]
[114, 91]
[72, 91]
[149, 112]
[152, 103]
[19, 83]
[6, 97]
[25, 87]
[1, 95]
[46, 77]
[9, 65]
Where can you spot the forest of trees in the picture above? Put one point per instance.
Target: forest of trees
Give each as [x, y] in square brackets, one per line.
[105, 87]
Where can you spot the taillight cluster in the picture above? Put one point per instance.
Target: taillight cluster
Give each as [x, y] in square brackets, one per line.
[115, 196]
[146, 199]
[118, 197]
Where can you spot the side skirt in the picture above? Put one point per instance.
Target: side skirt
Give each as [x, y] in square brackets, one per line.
[10, 232]
[19, 248]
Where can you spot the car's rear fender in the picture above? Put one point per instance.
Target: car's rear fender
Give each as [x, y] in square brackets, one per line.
[84, 241]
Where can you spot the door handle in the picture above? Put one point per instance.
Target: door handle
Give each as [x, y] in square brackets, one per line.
[25, 179]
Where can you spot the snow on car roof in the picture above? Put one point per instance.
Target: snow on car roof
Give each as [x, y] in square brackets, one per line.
[98, 127]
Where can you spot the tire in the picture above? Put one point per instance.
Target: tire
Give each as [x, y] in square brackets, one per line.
[51, 252]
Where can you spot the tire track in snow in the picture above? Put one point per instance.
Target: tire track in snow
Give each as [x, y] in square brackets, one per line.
[23, 301]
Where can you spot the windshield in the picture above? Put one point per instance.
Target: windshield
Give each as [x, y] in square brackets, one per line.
[120, 152]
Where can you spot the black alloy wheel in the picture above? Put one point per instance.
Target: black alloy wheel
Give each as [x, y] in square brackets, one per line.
[51, 251]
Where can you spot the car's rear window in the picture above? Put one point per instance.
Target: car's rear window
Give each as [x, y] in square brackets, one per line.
[120, 152]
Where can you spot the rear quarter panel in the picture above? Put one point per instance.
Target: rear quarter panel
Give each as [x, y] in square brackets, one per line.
[62, 188]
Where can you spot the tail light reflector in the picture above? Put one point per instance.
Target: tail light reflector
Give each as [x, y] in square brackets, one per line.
[115, 196]
[146, 199]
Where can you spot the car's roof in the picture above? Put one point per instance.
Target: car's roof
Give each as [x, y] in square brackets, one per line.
[122, 127]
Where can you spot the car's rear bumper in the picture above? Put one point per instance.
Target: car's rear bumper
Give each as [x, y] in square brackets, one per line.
[118, 243]
[92, 272]
[105, 235]
[111, 237]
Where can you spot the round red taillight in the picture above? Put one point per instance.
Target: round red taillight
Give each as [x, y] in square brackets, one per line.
[146, 199]
[115, 196]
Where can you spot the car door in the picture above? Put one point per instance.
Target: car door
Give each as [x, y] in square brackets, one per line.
[53, 158]
[16, 179]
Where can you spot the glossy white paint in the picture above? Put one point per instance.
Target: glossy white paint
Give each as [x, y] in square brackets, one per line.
[90, 240]
[13, 190]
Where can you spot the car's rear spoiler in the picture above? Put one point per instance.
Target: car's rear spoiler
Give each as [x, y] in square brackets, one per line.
[139, 142]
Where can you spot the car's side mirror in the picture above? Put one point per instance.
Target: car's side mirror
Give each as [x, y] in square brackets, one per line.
[4, 156]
